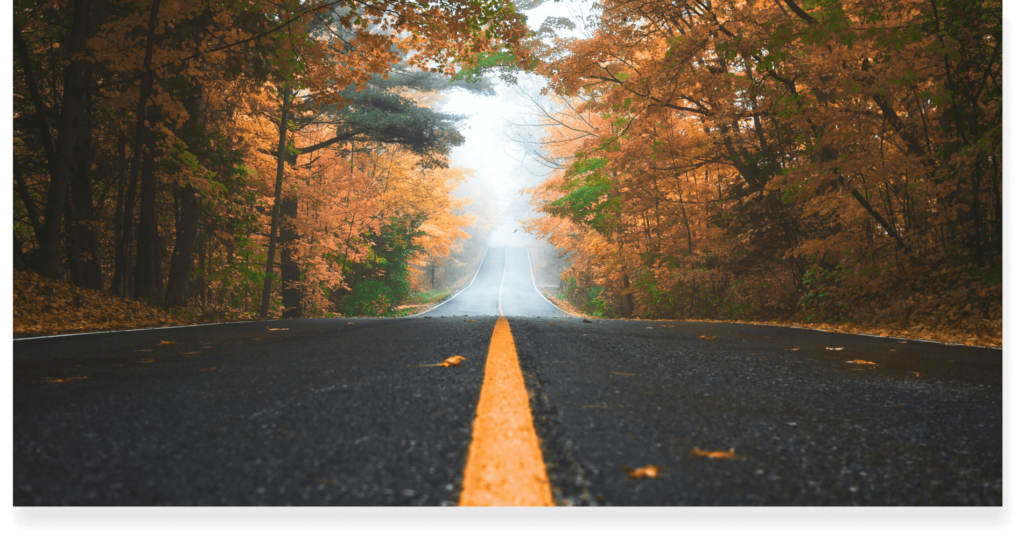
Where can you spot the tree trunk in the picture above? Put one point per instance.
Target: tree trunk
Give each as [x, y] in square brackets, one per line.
[188, 218]
[144, 279]
[86, 242]
[74, 88]
[627, 298]
[120, 245]
[291, 295]
[275, 215]
[200, 285]
[146, 252]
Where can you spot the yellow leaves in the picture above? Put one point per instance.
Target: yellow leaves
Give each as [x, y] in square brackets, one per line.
[649, 471]
[707, 337]
[861, 362]
[452, 361]
[447, 363]
[726, 455]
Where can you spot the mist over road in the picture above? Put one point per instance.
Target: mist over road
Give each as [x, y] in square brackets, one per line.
[356, 412]
[504, 285]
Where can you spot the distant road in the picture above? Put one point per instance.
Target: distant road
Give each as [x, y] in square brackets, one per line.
[344, 412]
[503, 286]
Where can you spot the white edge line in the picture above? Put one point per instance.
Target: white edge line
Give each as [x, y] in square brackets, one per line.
[478, 267]
[143, 329]
[530, 262]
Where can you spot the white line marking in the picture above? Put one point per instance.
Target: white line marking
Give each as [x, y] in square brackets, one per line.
[145, 329]
[530, 262]
[478, 267]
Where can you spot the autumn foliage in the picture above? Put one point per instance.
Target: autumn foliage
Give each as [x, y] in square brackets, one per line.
[781, 160]
[242, 158]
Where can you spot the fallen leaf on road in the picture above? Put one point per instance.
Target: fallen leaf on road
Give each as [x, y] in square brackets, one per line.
[730, 454]
[147, 361]
[168, 343]
[707, 337]
[858, 361]
[63, 380]
[916, 374]
[207, 369]
[277, 329]
[794, 349]
[585, 320]
[191, 352]
[647, 472]
[138, 350]
[833, 349]
[623, 374]
[453, 361]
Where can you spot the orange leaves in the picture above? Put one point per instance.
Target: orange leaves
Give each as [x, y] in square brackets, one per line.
[43, 306]
[646, 472]
[447, 363]
[452, 361]
[167, 342]
[726, 455]
[707, 337]
[861, 362]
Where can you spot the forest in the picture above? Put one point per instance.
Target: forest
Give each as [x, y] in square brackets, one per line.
[244, 159]
[767, 160]
[775, 160]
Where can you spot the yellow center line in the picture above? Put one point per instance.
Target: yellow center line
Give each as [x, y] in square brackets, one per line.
[504, 265]
[505, 465]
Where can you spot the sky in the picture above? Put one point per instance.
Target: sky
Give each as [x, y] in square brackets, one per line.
[488, 149]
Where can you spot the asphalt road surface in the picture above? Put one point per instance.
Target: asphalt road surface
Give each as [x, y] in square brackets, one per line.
[350, 412]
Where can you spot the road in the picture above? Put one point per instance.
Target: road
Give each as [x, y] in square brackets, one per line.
[356, 412]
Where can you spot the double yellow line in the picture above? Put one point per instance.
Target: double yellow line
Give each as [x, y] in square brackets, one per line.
[505, 465]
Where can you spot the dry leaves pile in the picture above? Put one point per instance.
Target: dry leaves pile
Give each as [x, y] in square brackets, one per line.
[43, 306]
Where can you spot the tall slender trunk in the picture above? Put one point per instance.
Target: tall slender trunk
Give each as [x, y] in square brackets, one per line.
[291, 294]
[74, 89]
[188, 218]
[120, 249]
[86, 241]
[145, 278]
[275, 216]
[146, 252]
